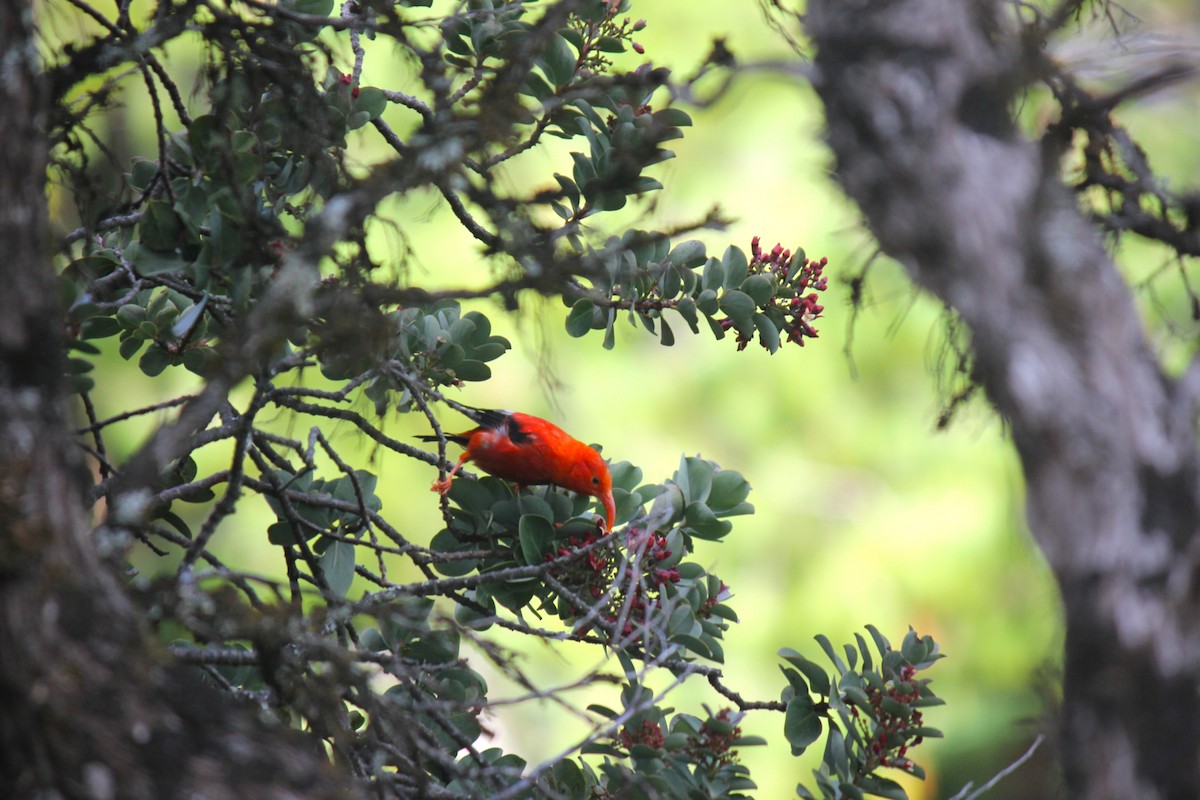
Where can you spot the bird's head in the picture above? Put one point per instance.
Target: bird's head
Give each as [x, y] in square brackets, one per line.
[590, 476]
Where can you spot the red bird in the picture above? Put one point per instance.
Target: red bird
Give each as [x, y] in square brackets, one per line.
[529, 450]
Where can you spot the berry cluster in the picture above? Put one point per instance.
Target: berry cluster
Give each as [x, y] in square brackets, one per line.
[591, 573]
[657, 551]
[648, 733]
[706, 607]
[594, 572]
[894, 721]
[715, 742]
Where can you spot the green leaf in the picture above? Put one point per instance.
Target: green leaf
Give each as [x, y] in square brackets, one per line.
[471, 495]
[868, 662]
[153, 262]
[536, 86]
[560, 61]
[729, 489]
[569, 780]
[737, 305]
[667, 336]
[734, 261]
[370, 101]
[699, 479]
[687, 309]
[688, 254]
[130, 346]
[707, 302]
[130, 316]
[492, 349]
[704, 523]
[337, 564]
[817, 678]
[610, 44]
[692, 643]
[78, 366]
[532, 505]
[579, 320]
[188, 319]
[537, 538]
[99, 328]
[920, 651]
[643, 184]
[724, 612]
[682, 620]
[801, 724]
[372, 640]
[858, 697]
[881, 642]
[281, 533]
[749, 741]
[823, 641]
[141, 172]
[154, 360]
[472, 370]
[160, 227]
[882, 787]
[760, 288]
[473, 618]
[316, 8]
[603, 711]
[175, 521]
[673, 117]
[436, 647]
[712, 279]
[446, 542]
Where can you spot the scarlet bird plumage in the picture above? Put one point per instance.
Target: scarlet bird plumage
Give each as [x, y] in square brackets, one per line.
[529, 450]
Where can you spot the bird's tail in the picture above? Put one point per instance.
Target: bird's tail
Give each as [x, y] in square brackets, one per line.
[485, 417]
[457, 438]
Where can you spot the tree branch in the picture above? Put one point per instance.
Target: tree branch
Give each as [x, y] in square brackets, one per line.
[917, 95]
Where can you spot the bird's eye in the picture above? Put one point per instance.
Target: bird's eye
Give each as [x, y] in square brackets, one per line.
[596, 480]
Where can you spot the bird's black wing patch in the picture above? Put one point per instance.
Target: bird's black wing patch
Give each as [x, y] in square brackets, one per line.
[492, 419]
[515, 434]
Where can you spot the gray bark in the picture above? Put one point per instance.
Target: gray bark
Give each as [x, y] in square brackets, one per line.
[917, 94]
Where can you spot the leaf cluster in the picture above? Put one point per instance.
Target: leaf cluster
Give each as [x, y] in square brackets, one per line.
[772, 298]
[871, 711]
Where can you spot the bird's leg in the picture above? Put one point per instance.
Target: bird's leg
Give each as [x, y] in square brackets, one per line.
[443, 486]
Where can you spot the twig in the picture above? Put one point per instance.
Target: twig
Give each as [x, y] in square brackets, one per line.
[963, 793]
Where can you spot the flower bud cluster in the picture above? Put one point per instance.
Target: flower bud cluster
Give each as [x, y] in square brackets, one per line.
[593, 574]
[648, 732]
[596, 38]
[714, 744]
[892, 736]
[796, 296]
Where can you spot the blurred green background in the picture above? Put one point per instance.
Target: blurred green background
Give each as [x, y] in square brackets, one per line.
[867, 513]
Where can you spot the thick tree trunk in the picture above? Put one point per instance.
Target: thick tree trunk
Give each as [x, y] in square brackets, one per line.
[917, 94]
[88, 707]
